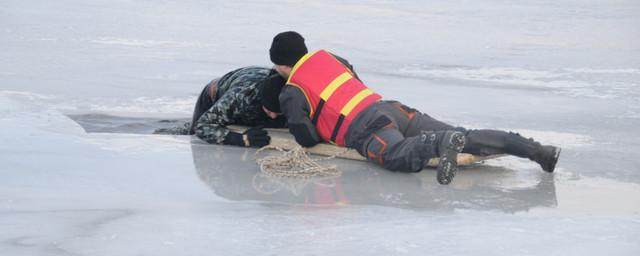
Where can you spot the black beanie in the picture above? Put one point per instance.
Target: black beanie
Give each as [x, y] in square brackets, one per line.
[287, 48]
[269, 95]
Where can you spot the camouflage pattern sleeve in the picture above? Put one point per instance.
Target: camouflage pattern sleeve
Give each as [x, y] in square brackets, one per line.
[211, 126]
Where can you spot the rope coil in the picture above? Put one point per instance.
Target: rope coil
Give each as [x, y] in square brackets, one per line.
[295, 163]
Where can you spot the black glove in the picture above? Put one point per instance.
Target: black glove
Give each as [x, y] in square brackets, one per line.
[256, 137]
[233, 138]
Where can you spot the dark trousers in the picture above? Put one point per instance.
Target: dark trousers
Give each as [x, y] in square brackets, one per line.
[396, 145]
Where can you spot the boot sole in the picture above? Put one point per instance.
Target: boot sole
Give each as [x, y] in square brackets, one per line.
[556, 156]
[448, 164]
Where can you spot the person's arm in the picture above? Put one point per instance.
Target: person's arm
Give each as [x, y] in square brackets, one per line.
[295, 107]
[211, 126]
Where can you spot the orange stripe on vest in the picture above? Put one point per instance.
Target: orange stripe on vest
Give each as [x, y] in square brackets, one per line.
[335, 97]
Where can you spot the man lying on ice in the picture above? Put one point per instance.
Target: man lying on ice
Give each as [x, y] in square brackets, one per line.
[323, 101]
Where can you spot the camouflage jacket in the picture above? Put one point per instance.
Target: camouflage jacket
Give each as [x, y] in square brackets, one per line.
[237, 102]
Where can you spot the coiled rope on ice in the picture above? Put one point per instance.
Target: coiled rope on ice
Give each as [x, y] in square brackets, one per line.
[295, 163]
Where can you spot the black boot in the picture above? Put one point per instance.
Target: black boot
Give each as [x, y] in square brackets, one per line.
[545, 156]
[447, 144]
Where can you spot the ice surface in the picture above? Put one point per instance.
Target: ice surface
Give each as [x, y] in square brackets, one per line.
[563, 72]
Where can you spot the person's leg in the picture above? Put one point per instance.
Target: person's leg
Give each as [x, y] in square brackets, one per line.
[484, 141]
[390, 149]
[487, 142]
[479, 142]
[205, 101]
[440, 141]
[412, 122]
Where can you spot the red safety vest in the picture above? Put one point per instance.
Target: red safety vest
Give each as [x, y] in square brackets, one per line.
[335, 97]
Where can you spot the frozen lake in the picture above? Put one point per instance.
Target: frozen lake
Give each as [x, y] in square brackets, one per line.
[564, 72]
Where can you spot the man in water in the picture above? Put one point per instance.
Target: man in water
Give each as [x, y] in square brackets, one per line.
[234, 98]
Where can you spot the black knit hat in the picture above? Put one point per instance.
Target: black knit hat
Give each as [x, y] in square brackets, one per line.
[287, 48]
[269, 95]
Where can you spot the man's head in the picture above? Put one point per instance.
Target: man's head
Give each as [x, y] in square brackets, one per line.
[286, 49]
[269, 96]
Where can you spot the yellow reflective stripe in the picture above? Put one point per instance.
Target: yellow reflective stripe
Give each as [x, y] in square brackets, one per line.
[334, 85]
[354, 101]
[299, 63]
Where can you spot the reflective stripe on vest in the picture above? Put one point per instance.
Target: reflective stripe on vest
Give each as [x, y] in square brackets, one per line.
[335, 97]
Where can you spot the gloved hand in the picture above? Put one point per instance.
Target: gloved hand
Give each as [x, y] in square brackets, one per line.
[254, 137]
[257, 137]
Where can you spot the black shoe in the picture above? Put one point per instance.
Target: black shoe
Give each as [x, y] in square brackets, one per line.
[547, 157]
[450, 145]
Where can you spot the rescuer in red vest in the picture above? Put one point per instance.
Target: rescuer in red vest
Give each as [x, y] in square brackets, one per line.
[323, 100]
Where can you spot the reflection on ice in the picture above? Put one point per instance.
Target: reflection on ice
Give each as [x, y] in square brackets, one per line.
[232, 174]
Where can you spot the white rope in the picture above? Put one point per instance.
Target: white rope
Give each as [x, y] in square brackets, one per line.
[295, 163]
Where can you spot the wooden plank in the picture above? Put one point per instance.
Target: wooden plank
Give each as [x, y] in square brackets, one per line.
[283, 139]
